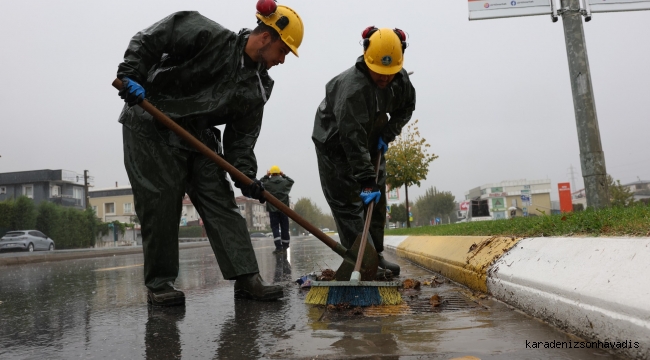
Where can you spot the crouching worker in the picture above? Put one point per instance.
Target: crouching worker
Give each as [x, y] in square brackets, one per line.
[351, 130]
[201, 75]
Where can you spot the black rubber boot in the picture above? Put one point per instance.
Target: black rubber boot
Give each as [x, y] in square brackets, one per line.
[167, 297]
[278, 246]
[252, 286]
[384, 275]
[385, 264]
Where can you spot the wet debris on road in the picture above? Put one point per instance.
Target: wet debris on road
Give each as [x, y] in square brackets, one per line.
[349, 310]
[435, 300]
[327, 275]
[411, 284]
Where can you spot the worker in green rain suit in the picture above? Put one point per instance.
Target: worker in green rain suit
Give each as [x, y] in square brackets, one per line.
[279, 185]
[351, 129]
[201, 75]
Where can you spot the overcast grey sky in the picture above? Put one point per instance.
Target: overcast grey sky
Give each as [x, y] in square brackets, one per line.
[493, 96]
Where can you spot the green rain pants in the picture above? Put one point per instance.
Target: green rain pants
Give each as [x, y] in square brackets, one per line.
[160, 175]
[342, 194]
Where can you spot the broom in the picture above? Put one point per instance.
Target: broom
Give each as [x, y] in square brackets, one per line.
[356, 292]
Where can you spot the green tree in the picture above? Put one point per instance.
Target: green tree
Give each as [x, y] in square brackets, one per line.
[307, 209]
[407, 161]
[398, 213]
[6, 216]
[24, 214]
[619, 195]
[435, 204]
[47, 218]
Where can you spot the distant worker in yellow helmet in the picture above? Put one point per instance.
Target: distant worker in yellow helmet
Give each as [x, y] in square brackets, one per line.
[201, 75]
[279, 185]
[351, 130]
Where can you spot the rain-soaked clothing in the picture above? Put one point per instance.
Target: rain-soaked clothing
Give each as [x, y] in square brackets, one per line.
[347, 127]
[197, 73]
[280, 187]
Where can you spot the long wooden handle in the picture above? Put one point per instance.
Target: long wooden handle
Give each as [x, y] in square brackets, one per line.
[366, 225]
[234, 173]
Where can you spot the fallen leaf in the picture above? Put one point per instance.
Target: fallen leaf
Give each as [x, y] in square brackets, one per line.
[426, 283]
[435, 300]
[327, 275]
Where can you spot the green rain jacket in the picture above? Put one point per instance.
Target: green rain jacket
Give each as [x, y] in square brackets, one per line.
[346, 126]
[197, 73]
[278, 186]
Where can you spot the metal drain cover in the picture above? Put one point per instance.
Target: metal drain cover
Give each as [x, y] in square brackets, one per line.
[413, 303]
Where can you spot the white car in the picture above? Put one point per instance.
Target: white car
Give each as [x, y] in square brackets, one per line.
[26, 240]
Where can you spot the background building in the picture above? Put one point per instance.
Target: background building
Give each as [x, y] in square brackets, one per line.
[189, 215]
[640, 189]
[528, 197]
[112, 204]
[257, 218]
[61, 187]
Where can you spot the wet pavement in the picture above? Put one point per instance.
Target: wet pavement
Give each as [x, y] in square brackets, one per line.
[96, 309]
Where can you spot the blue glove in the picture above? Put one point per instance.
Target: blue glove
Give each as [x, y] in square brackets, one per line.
[132, 92]
[370, 192]
[382, 146]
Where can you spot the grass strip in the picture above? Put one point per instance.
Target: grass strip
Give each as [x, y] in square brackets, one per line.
[631, 221]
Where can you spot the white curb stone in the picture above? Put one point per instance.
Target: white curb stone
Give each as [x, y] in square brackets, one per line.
[597, 288]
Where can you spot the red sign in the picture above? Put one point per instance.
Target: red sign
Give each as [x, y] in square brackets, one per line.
[464, 206]
[564, 190]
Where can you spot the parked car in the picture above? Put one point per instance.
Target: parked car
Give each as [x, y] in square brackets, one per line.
[325, 230]
[26, 240]
[269, 234]
[257, 234]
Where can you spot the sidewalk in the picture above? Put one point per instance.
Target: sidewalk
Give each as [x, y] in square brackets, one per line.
[17, 258]
[596, 288]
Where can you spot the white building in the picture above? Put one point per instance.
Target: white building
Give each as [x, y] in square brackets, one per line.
[527, 197]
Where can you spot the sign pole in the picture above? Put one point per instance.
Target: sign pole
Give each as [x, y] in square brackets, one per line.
[592, 157]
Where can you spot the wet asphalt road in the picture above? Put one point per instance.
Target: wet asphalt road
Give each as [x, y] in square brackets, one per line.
[96, 309]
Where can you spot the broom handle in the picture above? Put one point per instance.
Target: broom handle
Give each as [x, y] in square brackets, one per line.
[366, 226]
[234, 173]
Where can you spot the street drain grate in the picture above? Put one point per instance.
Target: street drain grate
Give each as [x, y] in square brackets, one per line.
[450, 301]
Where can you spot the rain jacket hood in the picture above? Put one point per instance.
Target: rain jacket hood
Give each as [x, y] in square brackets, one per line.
[346, 127]
[279, 186]
[196, 71]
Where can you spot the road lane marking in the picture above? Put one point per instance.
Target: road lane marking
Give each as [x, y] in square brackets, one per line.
[119, 267]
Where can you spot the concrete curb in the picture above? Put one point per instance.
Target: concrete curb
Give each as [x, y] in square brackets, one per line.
[596, 288]
[62, 255]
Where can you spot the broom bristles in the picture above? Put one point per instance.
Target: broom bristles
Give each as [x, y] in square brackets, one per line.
[317, 295]
[354, 295]
[390, 295]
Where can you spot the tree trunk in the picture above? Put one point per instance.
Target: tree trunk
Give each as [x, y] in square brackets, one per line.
[408, 212]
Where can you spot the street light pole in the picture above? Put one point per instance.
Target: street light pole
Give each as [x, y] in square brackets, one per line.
[592, 157]
[86, 195]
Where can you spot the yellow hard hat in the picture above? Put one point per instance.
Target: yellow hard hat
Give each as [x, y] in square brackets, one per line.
[288, 24]
[275, 169]
[384, 50]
